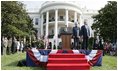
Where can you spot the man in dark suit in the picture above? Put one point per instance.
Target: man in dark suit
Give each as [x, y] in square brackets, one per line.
[85, 33]
[76, 33]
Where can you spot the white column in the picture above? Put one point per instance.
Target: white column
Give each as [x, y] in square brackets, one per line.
[38, 34]
[66, 17]
[46, 33]
[75, 17]
[56, 29]
[41, 25]
[24, 39]
[80, 20]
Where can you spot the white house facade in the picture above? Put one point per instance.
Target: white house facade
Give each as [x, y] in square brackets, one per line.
[53, 16]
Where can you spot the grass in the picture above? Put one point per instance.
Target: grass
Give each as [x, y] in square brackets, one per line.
[108, 63]
[9, 62]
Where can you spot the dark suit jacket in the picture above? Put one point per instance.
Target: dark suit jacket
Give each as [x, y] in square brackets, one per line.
[75, 31]
[84, 31]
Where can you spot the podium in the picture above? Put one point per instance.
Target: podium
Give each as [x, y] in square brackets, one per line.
[66, 41]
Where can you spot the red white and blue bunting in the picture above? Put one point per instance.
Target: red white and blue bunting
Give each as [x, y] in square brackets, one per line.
[35, 57]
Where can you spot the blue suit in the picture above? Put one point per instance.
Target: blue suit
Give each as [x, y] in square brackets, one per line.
[76, 33]
[85, 33]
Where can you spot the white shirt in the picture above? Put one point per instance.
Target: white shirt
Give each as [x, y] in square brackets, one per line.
[78, 32]
[87, 28]
[18, 44]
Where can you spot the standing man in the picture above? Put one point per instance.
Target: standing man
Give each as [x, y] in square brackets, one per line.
[76, 31]
[22, 46]
[5, 44]
[2, 44]
[14, 45]
[18, 46]
[9, 45]
[85, 33]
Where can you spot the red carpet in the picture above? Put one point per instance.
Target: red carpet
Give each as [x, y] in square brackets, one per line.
[67, 61]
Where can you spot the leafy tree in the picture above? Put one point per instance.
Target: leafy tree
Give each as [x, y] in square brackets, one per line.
[105, 23]
[15, 20]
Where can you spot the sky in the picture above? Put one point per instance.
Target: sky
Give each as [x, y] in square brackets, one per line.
[89, 4]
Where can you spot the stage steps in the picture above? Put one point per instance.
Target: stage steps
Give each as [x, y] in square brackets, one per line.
[67, 61]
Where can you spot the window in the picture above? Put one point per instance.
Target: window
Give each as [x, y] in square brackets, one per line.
[61, 18]
[36, 21]
[52, 31]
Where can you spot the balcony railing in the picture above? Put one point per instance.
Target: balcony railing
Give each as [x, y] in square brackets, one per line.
[52, 35]
[60, 18]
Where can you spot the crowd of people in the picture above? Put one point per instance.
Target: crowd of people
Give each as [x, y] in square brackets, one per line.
[110, 48]
[80, 36]
[107, 46]
[11, 46]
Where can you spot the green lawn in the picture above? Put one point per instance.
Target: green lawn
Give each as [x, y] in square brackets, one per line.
[108, 63]
[9, 62]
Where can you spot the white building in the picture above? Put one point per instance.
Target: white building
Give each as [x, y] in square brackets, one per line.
[53, 16]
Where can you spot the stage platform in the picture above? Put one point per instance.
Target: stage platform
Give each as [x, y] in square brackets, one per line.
[38, 57]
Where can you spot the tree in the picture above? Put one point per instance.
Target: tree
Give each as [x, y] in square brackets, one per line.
[15, 20]
[105, 23]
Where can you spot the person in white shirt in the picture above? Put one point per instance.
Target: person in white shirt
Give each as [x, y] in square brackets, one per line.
[22, 46]
[18, 45]
[5, 44]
